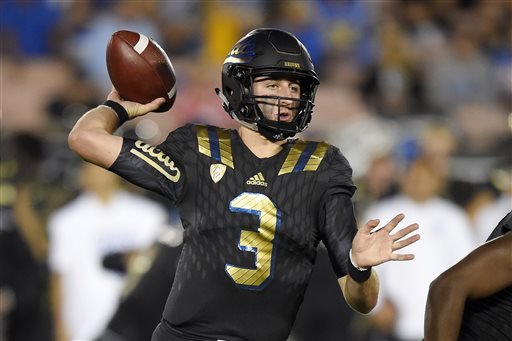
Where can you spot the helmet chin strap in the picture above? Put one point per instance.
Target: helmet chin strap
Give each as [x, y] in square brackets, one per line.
[271, 133]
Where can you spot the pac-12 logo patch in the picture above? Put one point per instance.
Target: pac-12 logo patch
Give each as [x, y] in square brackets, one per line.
[217, 171]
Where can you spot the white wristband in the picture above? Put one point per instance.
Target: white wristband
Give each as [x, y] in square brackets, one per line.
[354, 264]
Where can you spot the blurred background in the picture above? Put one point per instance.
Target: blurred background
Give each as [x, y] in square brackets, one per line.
[417, 94]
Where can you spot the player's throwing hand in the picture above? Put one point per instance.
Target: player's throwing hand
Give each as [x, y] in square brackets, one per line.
[134, 109]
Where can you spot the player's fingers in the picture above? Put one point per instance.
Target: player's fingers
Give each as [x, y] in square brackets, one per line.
[114, 95]
[404, 232]
[370, 225]
[394, 222]
[403, 243]
[155, 104]
[402, 257]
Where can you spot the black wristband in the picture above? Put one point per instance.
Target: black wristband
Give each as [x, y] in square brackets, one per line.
[356, 274]
[120, 111]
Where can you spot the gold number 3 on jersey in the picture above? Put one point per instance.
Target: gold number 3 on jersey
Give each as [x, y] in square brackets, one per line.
[260, 243]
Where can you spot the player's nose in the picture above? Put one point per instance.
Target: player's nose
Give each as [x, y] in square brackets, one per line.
[286, 91]
[286, 100]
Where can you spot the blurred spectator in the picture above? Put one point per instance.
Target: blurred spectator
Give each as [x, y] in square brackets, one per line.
[27, 89]
[378, 183]
[371, 156]
[23, 285]
[437, 145]
[149, 281]
[337, 107]
[87, 47]
[462, 73]
[483, 129]
[489, 215]
[90, 239]
[236, 18]
[483, 136]
[298, 17]
[445, 239]
[23, 242]
[181, 27]
[348, 28]
[395, 76]
[425, 33]
[27, 27]
[380, 139]
[197, 101]
[495, 29]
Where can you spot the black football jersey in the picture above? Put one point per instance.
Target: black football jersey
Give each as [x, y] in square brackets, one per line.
[251, 224]
[490, 318]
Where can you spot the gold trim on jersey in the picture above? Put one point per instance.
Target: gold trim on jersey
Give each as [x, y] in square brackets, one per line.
[160, 156]
[316, 157]
[215, 143]
[304, 156]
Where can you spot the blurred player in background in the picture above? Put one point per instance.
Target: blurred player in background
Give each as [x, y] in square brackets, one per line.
[148, 282]
[473, 299]
[400, 313]
[23, 242]
[254, 203]
[91, 239]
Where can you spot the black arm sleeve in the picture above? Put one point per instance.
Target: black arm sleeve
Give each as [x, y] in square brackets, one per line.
[148, 167]
[339, 228]
[337, 221]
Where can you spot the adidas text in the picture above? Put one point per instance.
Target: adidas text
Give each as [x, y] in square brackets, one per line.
[256, 182]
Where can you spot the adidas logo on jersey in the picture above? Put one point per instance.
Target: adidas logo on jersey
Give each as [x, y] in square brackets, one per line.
[257, 180]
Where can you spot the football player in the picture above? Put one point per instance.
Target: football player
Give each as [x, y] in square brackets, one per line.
[473, 299]
[254, 202]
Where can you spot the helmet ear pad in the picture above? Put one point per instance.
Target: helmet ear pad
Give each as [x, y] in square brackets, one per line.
[234, 79]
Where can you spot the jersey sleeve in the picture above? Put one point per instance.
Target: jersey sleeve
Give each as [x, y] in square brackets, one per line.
[337, 220]
[156, 168]
[504, 226]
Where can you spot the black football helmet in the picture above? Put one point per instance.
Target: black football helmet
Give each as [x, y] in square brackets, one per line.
[275, 54]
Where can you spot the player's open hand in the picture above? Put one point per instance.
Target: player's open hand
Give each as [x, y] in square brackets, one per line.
[135, 109]
[374, 248]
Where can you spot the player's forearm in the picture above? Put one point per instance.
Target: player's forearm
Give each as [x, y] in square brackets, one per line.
[92, 137]
[467, 279]
[445, 306]
[30, 223]
[362, 297]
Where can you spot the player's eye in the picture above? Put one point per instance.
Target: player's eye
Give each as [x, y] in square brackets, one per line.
[295, 88]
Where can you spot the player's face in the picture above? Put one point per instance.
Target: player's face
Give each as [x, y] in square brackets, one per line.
[277, 109]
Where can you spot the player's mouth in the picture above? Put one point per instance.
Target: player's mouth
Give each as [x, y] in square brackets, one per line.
[285, 116]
